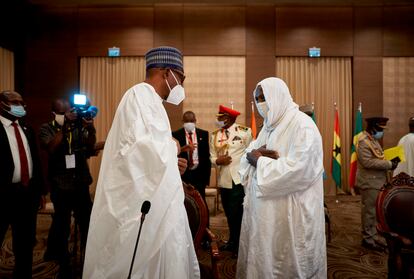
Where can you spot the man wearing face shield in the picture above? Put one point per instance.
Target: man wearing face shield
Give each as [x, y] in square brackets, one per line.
[21, 183]
[227, 145]
[283, 228]
[140, 164]
[370, 177]
[195, 149]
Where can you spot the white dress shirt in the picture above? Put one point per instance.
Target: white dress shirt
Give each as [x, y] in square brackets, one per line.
[15, 149]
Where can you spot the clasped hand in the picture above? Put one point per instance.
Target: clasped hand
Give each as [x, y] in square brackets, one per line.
[223, 160]
[254, 155]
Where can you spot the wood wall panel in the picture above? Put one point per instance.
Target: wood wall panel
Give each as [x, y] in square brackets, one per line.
[367, 31]
[258, 67]
[260, 30]
[298, 29]
[214, 30]
[367, 85]
[398, 31]
[50, 68]
[130, 29]
[168, 26]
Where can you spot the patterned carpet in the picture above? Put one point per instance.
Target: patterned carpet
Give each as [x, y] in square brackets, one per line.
[346, 257]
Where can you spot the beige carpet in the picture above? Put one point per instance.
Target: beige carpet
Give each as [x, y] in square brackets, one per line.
[346, 257]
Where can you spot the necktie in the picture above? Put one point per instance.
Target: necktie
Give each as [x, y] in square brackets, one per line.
[24, 166]
[190, 153]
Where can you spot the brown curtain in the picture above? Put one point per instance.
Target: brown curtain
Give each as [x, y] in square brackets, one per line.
[211, 81]
[104, 81]
[398, 96]
[6, 69]
[323, 81]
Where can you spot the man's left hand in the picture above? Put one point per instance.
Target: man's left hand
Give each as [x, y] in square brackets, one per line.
[182, 165]
[253, 156]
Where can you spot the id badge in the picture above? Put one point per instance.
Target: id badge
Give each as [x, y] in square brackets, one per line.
[70, 161]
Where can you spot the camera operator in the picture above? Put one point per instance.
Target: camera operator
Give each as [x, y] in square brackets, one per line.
[69, 140]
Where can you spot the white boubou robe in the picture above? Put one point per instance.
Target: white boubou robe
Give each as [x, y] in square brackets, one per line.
[140, 163]
[283, 229]
[407, 142]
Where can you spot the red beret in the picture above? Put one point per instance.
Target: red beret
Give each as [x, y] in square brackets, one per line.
[229, 111]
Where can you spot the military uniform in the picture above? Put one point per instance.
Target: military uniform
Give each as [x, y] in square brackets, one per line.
[233, 140]
[371, 176]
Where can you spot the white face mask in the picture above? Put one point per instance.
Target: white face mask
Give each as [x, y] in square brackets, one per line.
[177, 94]
[263, 109]
[220, 124]
[189, 127]
[60, 119]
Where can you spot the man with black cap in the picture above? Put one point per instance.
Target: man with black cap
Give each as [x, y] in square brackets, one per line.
[407, 142]
[227, 146]
[140, 164]
[371, 176]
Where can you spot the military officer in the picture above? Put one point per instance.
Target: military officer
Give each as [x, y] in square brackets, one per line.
[371, 176]
[227, 145]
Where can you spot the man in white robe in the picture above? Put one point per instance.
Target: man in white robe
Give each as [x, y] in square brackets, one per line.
[283, 229]
[140, 163]
[407, 142]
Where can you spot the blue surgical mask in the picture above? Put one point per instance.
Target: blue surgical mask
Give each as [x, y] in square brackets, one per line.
[16, 110]
[378, 135]
[220, 124]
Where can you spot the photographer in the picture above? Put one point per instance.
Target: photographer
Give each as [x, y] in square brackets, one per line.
[69, 140]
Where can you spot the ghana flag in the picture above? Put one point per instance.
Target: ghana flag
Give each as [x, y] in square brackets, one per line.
[336, 153]
[357, 133]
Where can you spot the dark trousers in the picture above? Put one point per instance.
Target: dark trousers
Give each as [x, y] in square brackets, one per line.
[64, 202]
[232, 200]
[18, 209]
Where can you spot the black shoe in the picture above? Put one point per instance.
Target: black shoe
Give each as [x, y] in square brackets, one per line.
[65, 272]
[372, 246]
[49, 256]
[229, 246]
[205, 245]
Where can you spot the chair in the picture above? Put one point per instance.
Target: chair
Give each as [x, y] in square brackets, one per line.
[197, 213]
[213, 190]
[395, 217]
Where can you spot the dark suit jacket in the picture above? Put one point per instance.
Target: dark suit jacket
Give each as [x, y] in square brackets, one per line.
[201, 175]
[36, 186]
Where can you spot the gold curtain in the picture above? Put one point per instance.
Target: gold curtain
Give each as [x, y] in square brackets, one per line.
[323, 81]
[6, 69]
[211, 81]
[104, 81]
[398, 96]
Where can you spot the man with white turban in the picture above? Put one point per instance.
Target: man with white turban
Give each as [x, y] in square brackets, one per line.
[140, 163]
[283, 229]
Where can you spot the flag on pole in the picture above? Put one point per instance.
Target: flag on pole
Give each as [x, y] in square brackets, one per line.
[357, 133]
[253, 123]
[336, 152]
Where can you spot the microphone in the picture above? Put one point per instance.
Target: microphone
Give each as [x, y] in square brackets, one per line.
[146, 205]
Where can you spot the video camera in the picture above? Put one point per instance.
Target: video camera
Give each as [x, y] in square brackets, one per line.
[81, 106]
